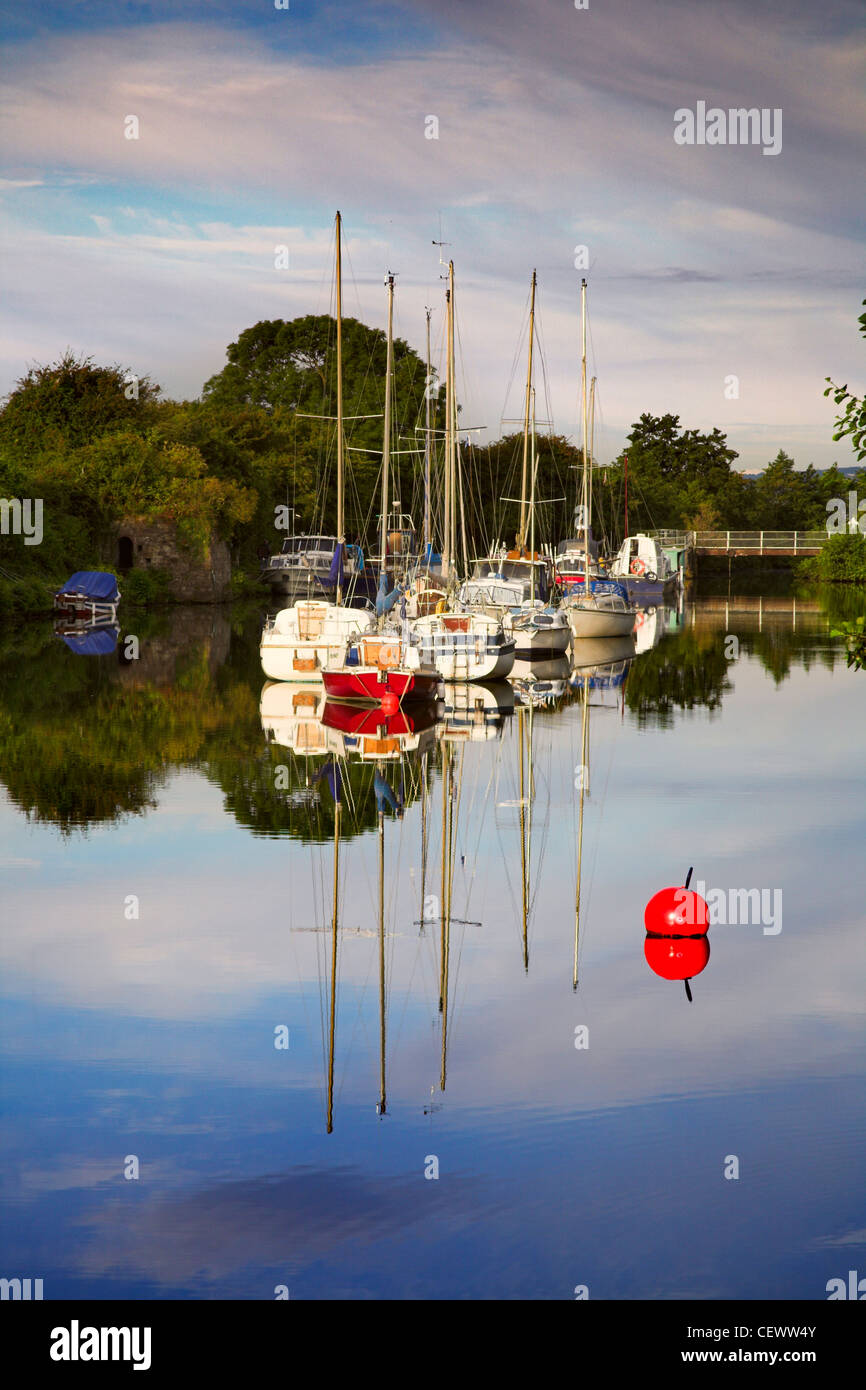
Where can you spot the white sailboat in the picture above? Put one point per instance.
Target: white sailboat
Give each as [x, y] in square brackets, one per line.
[516, 585]
[300, 641]
[601, 608]
[462, 644]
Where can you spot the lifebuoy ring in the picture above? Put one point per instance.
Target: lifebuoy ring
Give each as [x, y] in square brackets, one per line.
[389, 655]
[637, 566]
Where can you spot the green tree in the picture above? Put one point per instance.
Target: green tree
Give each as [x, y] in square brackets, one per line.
[69, 403]
[852, 421]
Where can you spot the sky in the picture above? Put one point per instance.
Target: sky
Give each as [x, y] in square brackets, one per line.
[724, 283]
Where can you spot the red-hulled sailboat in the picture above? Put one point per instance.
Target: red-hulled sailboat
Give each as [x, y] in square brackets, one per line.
[377, 671]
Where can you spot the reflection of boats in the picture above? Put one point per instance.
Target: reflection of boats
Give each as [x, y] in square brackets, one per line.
[540, 682]
[88, 639]
[601, 651]
[649, 627]
[475, 713]
[369, 733]
[91, 594]
[290, 716]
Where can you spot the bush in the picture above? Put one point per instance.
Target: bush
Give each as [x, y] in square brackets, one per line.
[841, 561]
[146, 586]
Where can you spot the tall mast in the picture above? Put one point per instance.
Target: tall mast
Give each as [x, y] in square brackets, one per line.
[591, 437]
[532, 500]
[521, 539]
[586, 490]
[427, 446]
[386, 443]
[449, 410]
[452, 540]
[341, 523]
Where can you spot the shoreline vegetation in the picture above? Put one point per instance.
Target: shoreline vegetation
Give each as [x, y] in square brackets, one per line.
[98, 444]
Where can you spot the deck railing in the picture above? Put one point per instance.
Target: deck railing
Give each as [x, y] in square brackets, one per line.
[752, 542]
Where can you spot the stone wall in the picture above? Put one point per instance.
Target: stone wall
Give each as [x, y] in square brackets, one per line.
[155, 545]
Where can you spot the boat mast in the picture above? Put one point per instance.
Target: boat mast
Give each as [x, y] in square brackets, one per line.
[532, 505]
[449, 420]
[521, 539]
[457, 478]
[587, 499]
[341, 525]
[427, 447]
[386, 443]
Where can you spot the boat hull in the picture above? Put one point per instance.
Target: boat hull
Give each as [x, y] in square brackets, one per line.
[599, 622]
[647, 593]
[546, 641]
[368, 684]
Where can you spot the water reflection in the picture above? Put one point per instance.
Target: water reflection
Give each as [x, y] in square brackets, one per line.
[431, 907]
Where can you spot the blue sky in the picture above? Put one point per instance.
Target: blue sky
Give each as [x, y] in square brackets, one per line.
[555, 130]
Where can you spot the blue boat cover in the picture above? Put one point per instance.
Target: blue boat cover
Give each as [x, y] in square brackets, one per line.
[97, 641]
[94, 584]
[609, 586]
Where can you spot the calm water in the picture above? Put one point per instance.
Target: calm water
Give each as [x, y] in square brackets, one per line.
[155, 786]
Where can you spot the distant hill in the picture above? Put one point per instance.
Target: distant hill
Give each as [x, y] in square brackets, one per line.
[850, 472]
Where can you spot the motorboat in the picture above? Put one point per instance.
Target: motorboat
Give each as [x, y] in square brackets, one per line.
[89, 594]
[644, 570]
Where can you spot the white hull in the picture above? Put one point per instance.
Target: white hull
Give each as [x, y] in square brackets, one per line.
[599, 622]
[544, 641]
[465, 647]
[304, 639]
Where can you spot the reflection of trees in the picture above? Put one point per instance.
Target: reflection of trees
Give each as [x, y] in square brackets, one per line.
[686, 670]
[305, 809]
[89, 740]
[689, 669]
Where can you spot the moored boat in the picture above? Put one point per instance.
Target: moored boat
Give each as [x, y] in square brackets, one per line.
[644, 570]
[381, 669]
[89, 594]
[465, 646]
[299, 642]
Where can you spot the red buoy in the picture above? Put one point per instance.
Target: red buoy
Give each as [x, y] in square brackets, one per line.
[389, 702]
[676, 912]
[676, 958]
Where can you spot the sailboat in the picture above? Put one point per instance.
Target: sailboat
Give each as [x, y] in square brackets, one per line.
[382, 666]
[300, 641]
[517, 585]
[463, 645]
[600, 608]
